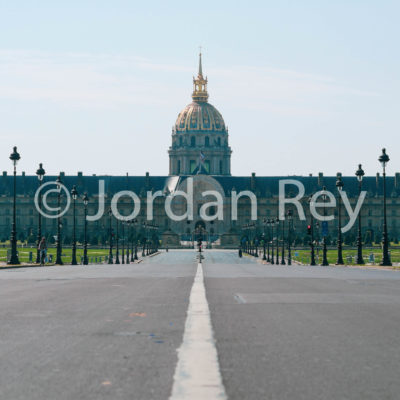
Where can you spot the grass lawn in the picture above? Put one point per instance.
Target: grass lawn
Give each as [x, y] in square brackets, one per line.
[349, 255]
[23, 253]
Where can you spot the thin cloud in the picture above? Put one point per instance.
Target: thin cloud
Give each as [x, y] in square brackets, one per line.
[107, 81]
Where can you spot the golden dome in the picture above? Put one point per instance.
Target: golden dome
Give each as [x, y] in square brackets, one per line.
[200, 115]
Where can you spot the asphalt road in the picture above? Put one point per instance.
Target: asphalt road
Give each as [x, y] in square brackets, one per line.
[112, 332]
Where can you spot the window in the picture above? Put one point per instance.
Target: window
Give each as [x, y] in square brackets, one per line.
[179, 167]
[207, 141]
[180, 141]
[192, 141]
[220, 166]
[219, 142]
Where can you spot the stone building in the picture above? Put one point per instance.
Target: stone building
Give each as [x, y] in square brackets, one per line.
[200, 150]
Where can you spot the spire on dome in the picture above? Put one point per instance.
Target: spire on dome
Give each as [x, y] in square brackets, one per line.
[200, 85]
[200, 66]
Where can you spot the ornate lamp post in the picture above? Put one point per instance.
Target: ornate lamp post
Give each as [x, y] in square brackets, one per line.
[269, 235]
[264, 238]
[128, 224]
[123, 242]
[14, 157]
[117, 242]
[85, 255]
[144, 240]
[255, 249]
[324, 249]
[312, 235]
[272, 222]
[359, 174]
[59, 224]
[277, 240]
[384, 159]
[134, 255]
[133, 242]
[283, 243]
[339, 185]
[74, 194]
[110, 252]
[40, 174]
[290, 223]
[244, 229]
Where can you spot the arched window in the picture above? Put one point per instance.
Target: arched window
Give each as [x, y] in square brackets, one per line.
[207, 141]
[193, 141]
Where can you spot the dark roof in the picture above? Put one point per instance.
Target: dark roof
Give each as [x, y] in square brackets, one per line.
[264, 186]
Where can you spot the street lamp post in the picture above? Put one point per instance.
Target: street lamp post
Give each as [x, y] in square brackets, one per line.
[269, 235]
[384, 159]
[283, 243]
[134, 255]
[324, 248]
[312, 234]
[134, 241]
[59, 239]
[128, 224]
[144, 240]
[359, 174]
[264, 237]
[40, 174]
[339, 185]
[85, 255]
[272, 222]
[256, 241]
[14, 157]
[110, 253]
[123, 242]
[277, 240]
[117, 242]
[290, 223]
[74, 194]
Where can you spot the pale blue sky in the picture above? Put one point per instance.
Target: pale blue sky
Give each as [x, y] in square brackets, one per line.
[304, 86]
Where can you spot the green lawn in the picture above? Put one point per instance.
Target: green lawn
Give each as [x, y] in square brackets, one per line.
[23, 253]
[304, 255]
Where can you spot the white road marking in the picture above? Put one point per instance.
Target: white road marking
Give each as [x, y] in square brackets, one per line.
[197, 375]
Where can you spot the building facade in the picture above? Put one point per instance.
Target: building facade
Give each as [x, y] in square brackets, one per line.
[200, 150]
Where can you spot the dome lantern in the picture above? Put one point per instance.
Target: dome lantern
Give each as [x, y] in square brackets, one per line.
[200, 93]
